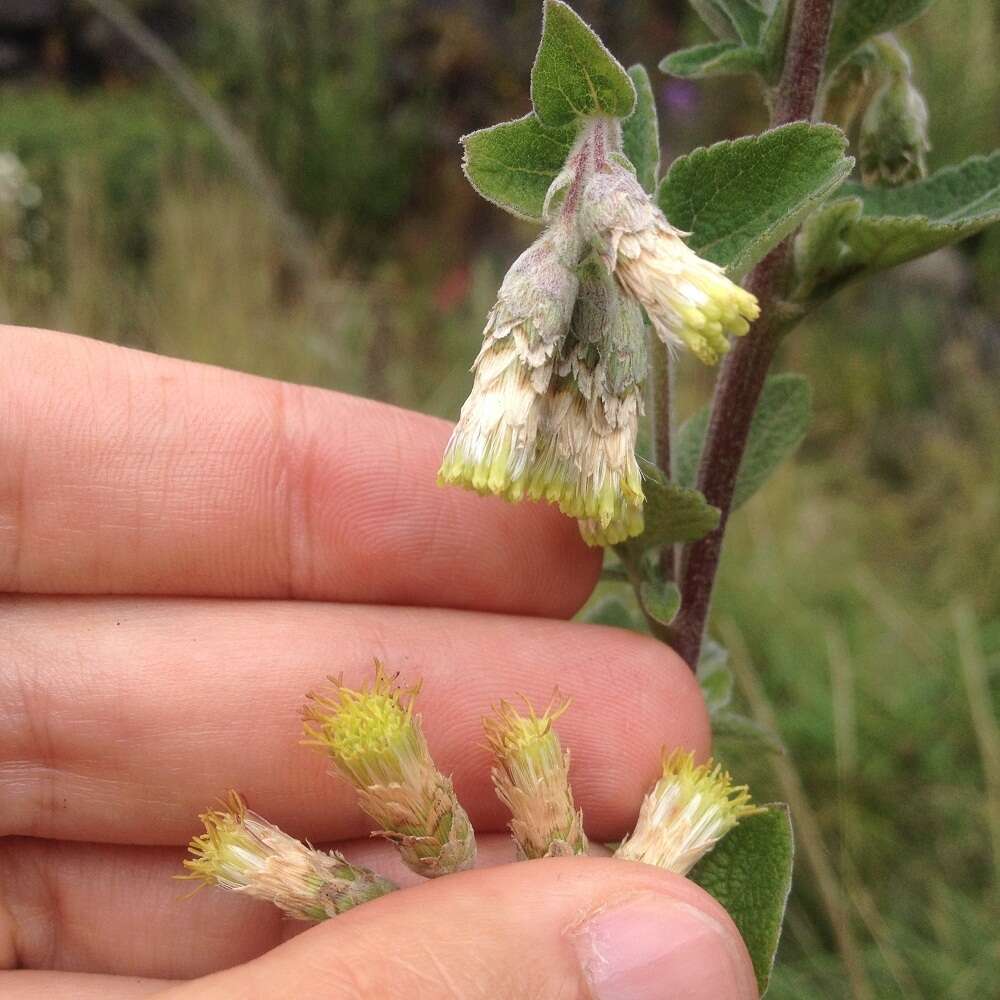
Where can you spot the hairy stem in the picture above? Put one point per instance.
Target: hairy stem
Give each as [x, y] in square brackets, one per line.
[741, 380]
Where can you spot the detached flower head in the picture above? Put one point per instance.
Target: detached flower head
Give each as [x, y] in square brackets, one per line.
[685, 815]
[493, 446]
[241, 852]
[531, 778]
[586, 462]
[688, 300]
[376, 742]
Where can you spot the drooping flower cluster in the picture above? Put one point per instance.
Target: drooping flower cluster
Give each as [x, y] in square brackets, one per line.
[243, 853]
[685, 815]
[531, 778]
[376, 742]
[558, 384]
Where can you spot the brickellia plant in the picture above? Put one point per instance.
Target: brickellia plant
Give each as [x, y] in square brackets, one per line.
[724, 255]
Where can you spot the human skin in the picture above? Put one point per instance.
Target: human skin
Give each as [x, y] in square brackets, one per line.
[184, 552]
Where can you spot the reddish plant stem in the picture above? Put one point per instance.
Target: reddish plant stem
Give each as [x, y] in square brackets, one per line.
[741, 380]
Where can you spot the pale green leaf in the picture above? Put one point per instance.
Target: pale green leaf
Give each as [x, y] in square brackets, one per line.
[740, 198]
[713, 59]
[821, 252]
[898, 224]
[615, 612]
[732, 18]
[672, 513]
[714, 676]
[574, 75]
[855, 21]
[728, 725]
[772, 40]
[514, 164]
[641, 131]
[778, 427]
[750, 873]
[661, 600]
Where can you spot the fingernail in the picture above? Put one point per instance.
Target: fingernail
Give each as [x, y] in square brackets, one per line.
[655, 947]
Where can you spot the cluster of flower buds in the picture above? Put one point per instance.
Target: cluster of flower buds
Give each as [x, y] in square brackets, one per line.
[531, 778]
[243, 853]
[376, 742]
[685, 814]
[557, 392]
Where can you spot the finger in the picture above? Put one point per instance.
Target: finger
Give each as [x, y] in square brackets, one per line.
[549, 929]
[122, 720]
[98, 908]
[123, 472]
[25, 985]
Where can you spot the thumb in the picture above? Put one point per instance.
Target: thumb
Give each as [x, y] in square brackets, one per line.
[560, 928]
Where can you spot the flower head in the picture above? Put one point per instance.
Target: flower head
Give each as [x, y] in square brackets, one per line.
[688, 300]
[687, 812]
[376, 742]
[243, 853]
[493, 446]
[531, 778]
[893, 142]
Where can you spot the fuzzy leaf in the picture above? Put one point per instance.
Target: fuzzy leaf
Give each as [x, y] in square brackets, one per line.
[820, 251]
[673, 513]
[855, 21]
[898, 224]
[750, 873]
[574, 75]
[514, 163]
[715, 677]
[729, 18]
[777, 429]
[740, 198]
[661, 600]
[641, 131]
[713, 59]
[614, 612]
[729, 725]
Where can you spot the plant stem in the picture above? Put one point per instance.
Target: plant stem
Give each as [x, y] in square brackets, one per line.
[741, 380]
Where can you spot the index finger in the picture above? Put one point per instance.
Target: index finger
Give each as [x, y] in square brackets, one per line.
[125, 472]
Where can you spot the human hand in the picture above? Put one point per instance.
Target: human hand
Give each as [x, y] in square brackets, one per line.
[186, 551]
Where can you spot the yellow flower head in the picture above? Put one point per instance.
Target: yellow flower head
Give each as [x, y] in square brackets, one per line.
[687, 812]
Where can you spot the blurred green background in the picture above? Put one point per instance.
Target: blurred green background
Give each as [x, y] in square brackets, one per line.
[860, 593]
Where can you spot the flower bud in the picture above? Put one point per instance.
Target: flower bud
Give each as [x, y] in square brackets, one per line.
[376, 742]
[893, 141]
[685, 815]
[493, 446]
[586, 462]
[531, 778]
[243, 853]
[688, 300]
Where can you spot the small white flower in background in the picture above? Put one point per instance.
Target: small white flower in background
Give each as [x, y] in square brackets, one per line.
[243, 853]
[689, 301]
[493, 446]
[685, 815]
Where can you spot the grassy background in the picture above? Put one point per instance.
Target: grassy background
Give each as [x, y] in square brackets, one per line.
[860, 592]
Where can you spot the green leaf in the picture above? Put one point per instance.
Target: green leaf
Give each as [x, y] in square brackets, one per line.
[714, 676]
[727, 18]
[714, 59]
[898, 224]
[513, 164]
[614, 612]
[855, 21]
[740, 198]
[672, 514]
[750, 873]
[772, 41]
[777, 429]
[661, 600]
[728, 725]
[574, 74]
[821, 252]
[641, 131]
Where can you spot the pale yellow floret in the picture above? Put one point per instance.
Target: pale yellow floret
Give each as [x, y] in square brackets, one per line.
[687, 812]
[531, 778]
